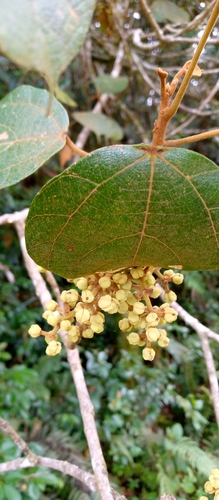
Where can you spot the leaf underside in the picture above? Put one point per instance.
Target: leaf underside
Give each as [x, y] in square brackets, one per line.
[28, 137]
[44, 36]
[125, 206]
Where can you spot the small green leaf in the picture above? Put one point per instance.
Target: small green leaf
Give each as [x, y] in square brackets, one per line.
[28, 137]
[125, 206]
[100, 124]
[63, 97]
[44, 35]
[107, 84]
[164, 10]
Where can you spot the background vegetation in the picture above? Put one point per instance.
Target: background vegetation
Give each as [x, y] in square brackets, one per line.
[155, 420]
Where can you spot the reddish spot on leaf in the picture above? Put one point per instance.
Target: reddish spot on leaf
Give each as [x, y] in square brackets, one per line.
[70, 247]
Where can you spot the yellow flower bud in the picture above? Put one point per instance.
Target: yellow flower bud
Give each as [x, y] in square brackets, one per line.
[81, 283]
[113, 309]
[130, 299]
[203, 498]
[46, 314]
[133, 318]
[170, 296]
[169, 272]
[73, 333]
[70, 296]
[148, 354]
[138, 307]
[124, 325]
[104, 282]
[54, 318]
[152, 334]
[155, 292]
[208, 487]
[120, 295]
[35, 331]
[88, 333]
[82, 315]
[178, 278]
[105, 302]
[65, 324]
[137, 272]
[120, 278]
[214, 482]
[41, 269]
[87, 296]
[152, 318]
[97, 328]
[170, 315]
[149, 280]
[141, 343]
[53, 348]
[133, 338]
[123, 308]
[51, 305]
[127, 285]
[97, 319]
[215, 472]
[163, 341]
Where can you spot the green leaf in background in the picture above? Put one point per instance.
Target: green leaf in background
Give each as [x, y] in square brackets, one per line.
[11, 493]
[63, 97]
[28, 137]
[164, 10]
[100, 124]
[107, 84]
[48, 35]
[125, 206]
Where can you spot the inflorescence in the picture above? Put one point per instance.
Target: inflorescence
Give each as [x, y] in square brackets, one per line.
[212, 485]
[128, 293]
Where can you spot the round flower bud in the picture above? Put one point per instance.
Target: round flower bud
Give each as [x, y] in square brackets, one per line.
[97, 319]
[169, 272]
[148, 354]
[214, 482]
[127, 285]
[104, 282]
[81, 283]
[73, 333]
[133, 338]
[152, 318]
[137, 272]
[149, 280]
[53, 348]
[65, 324]
[204, 498]
[138, 308]
[97, 328]
[162, 321]
[88, 333]
[208, 487]
[143, 323]
[113, 309]
[133, 318]
[156, 291]
[82, 315]
[170, 296]
[124, 325]
[215, 472]
[51, 305]
[87, 296]
[216, 496]
[120, 295]
[164, 305]
[170, 315]
[123, 308]
[130, 299]
[35, 331]
[120, 278]
[178, 278]
[105, 302]
[152, 334]
[163, 341]
[46, 314]
[70, 296]
[54, 318]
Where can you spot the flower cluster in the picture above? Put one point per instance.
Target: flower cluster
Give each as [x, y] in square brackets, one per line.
[212, 485]
[127, 292]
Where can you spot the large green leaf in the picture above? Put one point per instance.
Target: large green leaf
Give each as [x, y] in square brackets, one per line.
[44, 35]
[28, 137]
[127, 206]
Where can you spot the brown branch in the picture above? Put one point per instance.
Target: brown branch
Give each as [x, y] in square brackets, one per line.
[192, 138]
[152, 21]
[22, 445]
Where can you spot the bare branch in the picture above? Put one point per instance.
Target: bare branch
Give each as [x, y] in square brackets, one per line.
[152, 21]
[8, 429]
